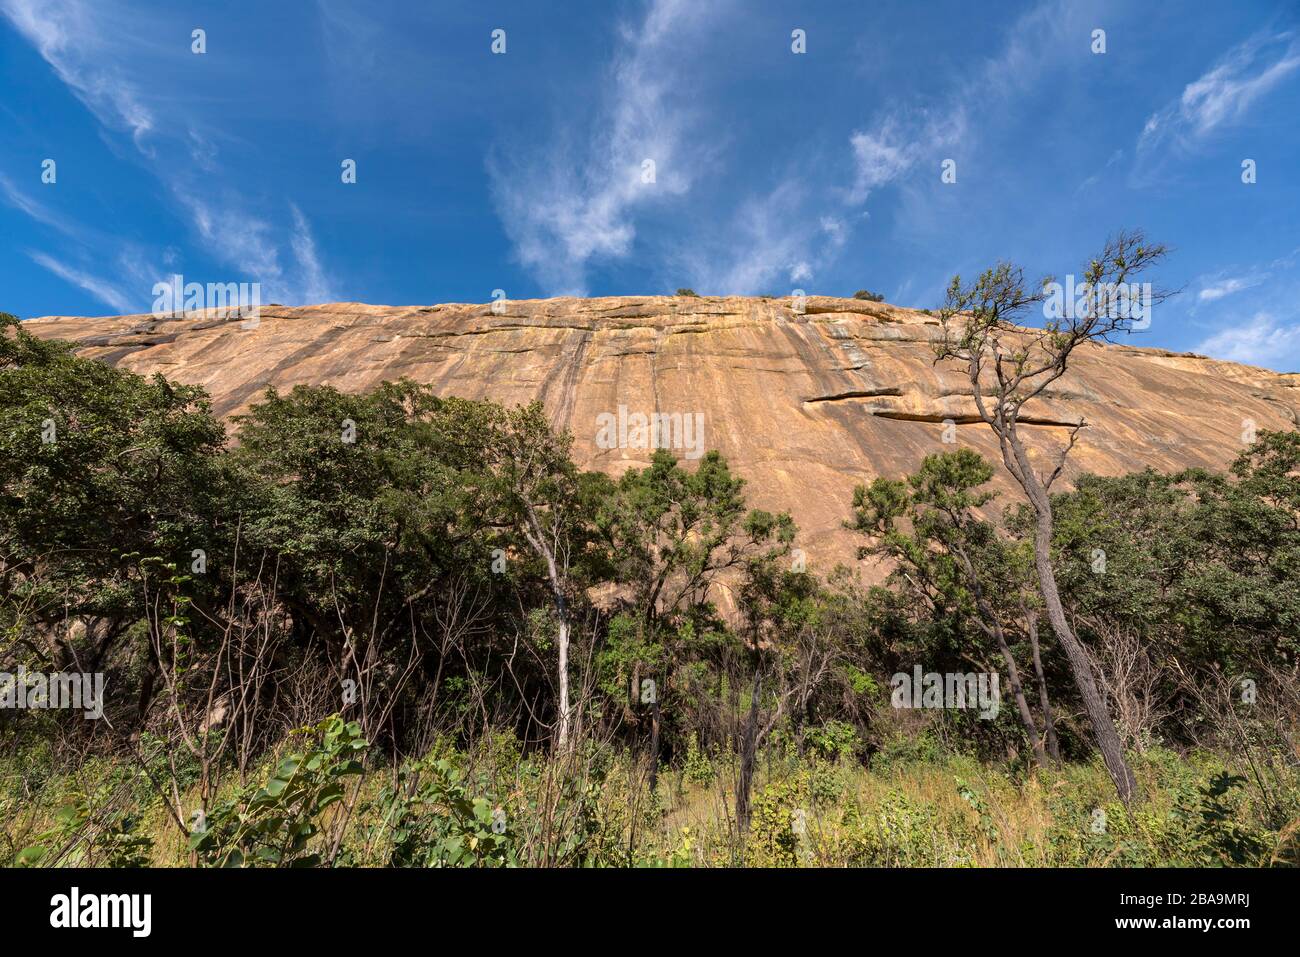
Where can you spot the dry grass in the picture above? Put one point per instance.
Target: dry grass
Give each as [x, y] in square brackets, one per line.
[941, 810]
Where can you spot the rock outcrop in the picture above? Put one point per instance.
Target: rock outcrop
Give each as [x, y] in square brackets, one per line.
[803, 405]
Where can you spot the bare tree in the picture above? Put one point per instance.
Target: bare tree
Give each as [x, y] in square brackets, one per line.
[1135, 686]
[1009, 365]
[1253, 716]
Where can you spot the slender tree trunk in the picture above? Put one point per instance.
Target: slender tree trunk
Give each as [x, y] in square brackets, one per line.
[654, 742]
[1044, 702]
[748, 753]
[537, 539]
[1018, 692]
[563, 642]
[634, 694]
[1103, 727]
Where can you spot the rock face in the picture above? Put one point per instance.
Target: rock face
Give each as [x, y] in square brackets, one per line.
[803, 405]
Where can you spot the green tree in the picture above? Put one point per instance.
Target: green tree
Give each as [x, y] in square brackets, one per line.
[1200, 564]
[100, 470]
[536, 491]
[674, 537]
[953, 561]
[776, 602]
[1007, 366]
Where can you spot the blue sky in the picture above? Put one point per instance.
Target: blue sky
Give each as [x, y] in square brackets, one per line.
[772, 170]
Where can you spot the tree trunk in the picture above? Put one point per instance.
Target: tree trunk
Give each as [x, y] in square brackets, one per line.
[537, 539]
[1103, 727]
[748, 754]
[563, 642]
[1044, 702]
[654, 742]
[1022, 706]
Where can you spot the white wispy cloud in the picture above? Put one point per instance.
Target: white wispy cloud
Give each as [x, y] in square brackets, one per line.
[1223, 94]
[34, 208]
[908, 134]
[84, 43]
[234, 237]
[242, 239]
[792, 234]
[918, 136]
[883, 154]
[97, 49]
[133, 273]
[1217, 289]
[316, 286]
[771, 244]
[1263, 340]
[897, 143]
[570, 208]
[566, 208]
[879, 157]
[101, 289]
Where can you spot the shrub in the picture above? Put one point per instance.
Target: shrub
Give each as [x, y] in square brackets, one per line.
[272, 825]
[111, 842]
[833, 740]
[903, 831]
[779, 823]
[698, 769]
[901, 749]
[1211, 834]
[437, 822]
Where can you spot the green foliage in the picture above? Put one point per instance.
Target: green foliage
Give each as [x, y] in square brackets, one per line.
[779, 824]
[120, 845]
[107, 839]
[697, 768]
[273, 825]
[980, 806]
[435, 545]
[1203, 565]
[362, 527]
[862, 683]
[672, 535]
[1198, 817]
[69, 818]
[920, 748]
[437, 822]
[959, 585]
[868, 296]
[903, 832]
[99, 469]
[687, 292]
[1214, 837]
[500, 809]
[833, 740]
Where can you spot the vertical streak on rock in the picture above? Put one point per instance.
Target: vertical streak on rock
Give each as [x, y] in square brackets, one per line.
[562, 417]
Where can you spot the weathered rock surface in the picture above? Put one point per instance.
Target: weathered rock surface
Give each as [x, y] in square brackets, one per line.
[804, 406]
